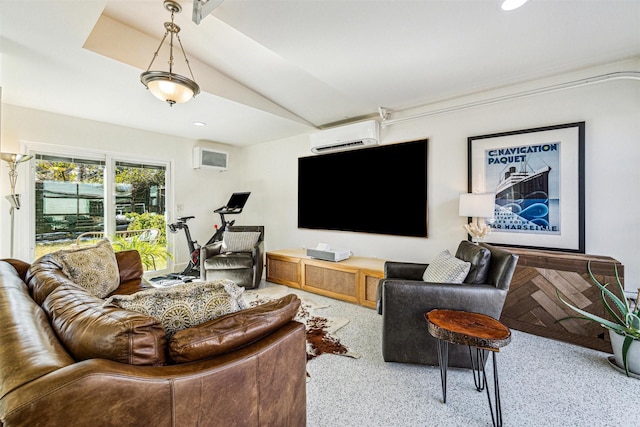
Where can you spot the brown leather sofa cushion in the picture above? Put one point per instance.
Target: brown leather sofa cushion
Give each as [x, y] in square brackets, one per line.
[90, 330]
[232, 331]
[129, 266]
[44, 275]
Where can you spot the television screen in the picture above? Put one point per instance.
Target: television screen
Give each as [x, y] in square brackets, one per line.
[381, 190]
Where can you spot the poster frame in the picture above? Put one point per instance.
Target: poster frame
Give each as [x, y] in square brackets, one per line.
[570, 175]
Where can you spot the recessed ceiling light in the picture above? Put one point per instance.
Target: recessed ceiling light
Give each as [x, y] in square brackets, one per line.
[512, 4]
[199, 124]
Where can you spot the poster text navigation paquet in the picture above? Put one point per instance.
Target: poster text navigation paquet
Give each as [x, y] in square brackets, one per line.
[525, 179]
[517, 154]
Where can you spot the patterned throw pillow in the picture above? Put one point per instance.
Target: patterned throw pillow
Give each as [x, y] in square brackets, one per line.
[94, 267]
[445, 268]
[182, 306]
[239, 241]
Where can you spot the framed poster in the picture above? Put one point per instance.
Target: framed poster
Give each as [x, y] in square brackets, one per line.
[538, 178]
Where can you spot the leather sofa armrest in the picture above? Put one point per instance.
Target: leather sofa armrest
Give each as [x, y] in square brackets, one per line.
[400, 297]
[257, 251]
[404, 327]
[232, 331]
[399, 271]
[20, 266]
[404, 270]
[258, 247]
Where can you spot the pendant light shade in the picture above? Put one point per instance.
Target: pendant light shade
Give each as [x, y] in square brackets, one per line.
[168, 86]
[512, 4]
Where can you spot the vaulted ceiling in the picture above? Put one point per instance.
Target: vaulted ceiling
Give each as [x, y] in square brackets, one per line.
[270, 69]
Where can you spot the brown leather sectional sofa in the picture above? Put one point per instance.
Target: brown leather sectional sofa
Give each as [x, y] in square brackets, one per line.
[50, 374]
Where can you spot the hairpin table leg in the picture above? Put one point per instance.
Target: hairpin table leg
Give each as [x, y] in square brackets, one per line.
[443, 362]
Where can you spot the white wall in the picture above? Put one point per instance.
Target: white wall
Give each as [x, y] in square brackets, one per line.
[199, 191]
[611, 111]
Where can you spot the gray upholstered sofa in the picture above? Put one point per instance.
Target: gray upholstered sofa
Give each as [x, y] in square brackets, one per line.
[404, 298]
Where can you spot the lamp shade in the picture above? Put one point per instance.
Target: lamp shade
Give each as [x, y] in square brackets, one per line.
[14, 158]
[512, 4]
[479, 205]
[169, 87]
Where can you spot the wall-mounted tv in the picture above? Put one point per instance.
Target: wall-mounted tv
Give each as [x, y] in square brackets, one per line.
[381, 190]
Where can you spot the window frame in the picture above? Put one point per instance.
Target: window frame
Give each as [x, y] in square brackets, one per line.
[25, 223]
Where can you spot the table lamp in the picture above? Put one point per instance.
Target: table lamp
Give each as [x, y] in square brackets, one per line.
[477, 206]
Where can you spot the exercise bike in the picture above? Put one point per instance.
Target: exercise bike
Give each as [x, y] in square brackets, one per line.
[234, 206]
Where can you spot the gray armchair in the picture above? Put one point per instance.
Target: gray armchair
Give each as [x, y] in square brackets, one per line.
[403, 299]
[239, 257]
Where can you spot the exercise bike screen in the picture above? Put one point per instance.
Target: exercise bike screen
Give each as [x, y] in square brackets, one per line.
[381, 190]
[238, 200]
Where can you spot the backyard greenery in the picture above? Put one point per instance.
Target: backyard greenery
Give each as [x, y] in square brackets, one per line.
[151, 253]
[148, 220]
[71, 203]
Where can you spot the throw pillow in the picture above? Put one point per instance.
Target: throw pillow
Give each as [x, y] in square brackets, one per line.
[185, 305]
[94, 267]
[446, 268]
[239, 241]
[232, 331]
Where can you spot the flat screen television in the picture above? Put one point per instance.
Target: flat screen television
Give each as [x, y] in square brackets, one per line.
[381, 190]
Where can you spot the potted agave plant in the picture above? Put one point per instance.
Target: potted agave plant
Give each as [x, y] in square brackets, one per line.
[624, 329]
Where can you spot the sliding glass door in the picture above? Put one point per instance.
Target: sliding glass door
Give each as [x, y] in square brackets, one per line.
[140, 205]
[79, 200]
[69, 200]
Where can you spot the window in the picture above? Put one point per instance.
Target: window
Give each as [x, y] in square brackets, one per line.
[69, 200]
[79, 200]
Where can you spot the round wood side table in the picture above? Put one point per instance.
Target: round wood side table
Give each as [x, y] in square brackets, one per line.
[475, 330]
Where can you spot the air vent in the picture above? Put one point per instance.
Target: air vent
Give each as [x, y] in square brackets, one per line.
[340, 146]
[211, 159]
[349, 137]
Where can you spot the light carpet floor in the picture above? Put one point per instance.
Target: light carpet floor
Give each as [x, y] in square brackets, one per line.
[542, 383]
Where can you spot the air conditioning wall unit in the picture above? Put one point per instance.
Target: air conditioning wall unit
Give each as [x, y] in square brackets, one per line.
[210, 159]
[348, 137]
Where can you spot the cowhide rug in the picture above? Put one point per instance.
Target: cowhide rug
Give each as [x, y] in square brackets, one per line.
[320, 330]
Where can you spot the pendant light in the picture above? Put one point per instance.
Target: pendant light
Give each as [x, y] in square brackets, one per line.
[168, 86]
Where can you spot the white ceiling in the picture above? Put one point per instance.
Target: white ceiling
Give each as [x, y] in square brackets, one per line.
[270, 69]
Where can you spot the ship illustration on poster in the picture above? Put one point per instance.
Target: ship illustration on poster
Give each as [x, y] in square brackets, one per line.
[525, 199]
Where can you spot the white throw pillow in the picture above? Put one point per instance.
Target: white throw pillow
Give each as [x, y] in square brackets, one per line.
[445, 268]
[239, 241]
[94, 267]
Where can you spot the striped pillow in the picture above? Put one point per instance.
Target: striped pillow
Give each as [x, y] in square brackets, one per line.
[239, 241]
[445, 268]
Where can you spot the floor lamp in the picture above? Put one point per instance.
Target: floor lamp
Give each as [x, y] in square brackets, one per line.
[13, 160]
[478, 206]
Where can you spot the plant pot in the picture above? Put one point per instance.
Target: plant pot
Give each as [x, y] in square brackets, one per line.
[633, 356]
